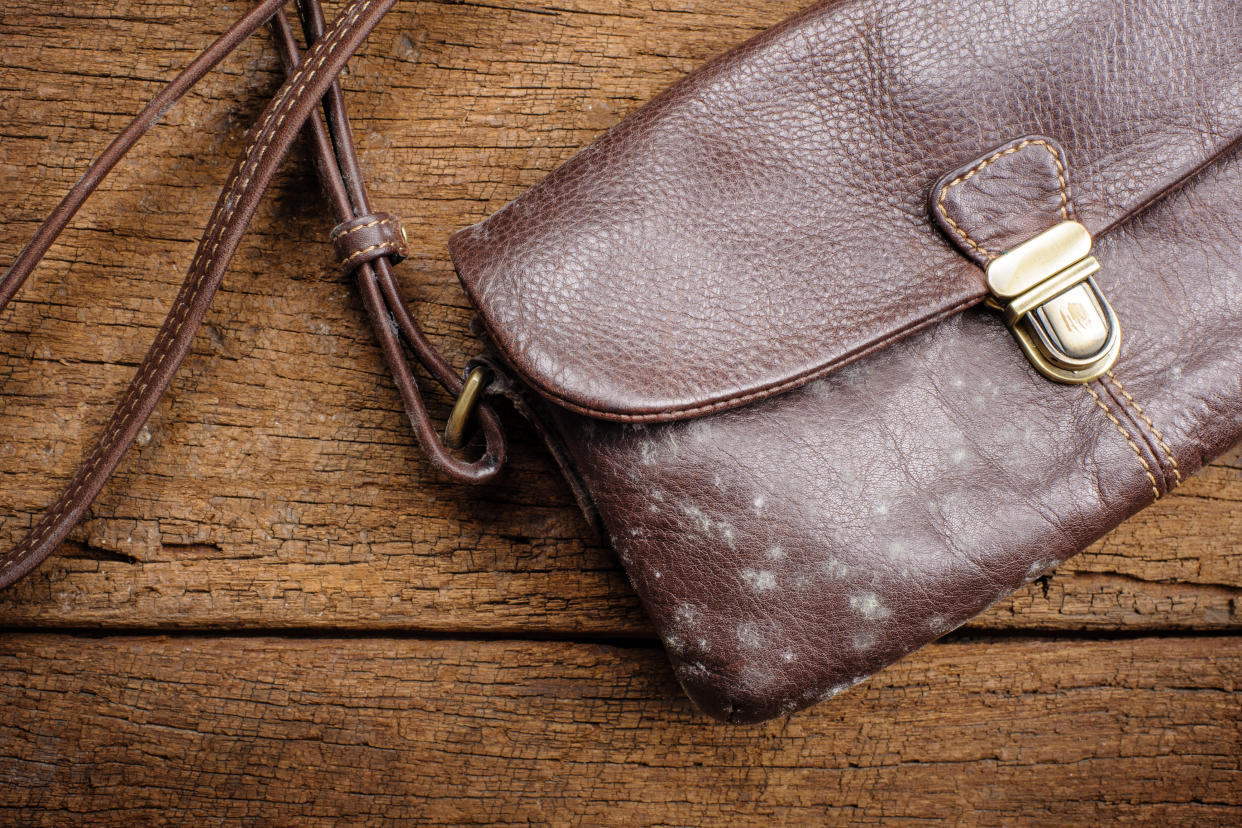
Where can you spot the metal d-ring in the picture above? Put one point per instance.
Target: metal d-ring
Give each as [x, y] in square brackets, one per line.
[463, 409]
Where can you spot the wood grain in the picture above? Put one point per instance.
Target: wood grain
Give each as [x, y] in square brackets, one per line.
[137, 730]
[362, 641]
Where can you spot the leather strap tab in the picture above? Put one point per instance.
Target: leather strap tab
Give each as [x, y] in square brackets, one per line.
[367, 238]
[995, 203]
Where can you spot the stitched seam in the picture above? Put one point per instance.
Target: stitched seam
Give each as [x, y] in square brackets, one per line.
[181, 307]
[1121, 429]
[1168, 453]
[341, 235]
[674, 413]
[969, 174]
[345, 261]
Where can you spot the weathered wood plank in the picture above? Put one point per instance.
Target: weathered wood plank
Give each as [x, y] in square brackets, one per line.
[279, 486]
[191, 729]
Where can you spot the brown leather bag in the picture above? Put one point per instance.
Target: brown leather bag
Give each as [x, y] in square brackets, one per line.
[842, 338]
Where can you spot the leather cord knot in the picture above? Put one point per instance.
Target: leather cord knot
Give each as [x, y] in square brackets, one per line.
[367, 238]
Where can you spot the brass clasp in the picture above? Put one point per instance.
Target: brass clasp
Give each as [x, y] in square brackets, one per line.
[1054, 307]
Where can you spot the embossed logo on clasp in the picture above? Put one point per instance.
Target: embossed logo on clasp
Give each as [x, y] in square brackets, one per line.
[1075, 317]
[1054, 306]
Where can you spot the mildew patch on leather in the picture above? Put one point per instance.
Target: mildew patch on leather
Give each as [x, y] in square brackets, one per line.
[863, 641]
[749, 635]
[1038, 568]
[754, 678]
[673, 643]
[687, 628]
[836, 689]
[868, 605]
[759, 581]
[834, 568]
[700, 431]
[707, 525]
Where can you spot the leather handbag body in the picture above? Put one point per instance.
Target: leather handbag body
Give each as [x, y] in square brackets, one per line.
[841, 339]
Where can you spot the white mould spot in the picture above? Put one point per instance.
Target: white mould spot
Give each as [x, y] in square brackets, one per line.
[1038, 568]
[700, 431]
[748, 634]
[758, 503]
[708, 525]
[880, 508]
[647, 453]
[943, 626]
[759, 581]
[693, 668]
[834, 568]
[755, 678]
[788, 656]
[959, 454]
[835, 690]
[776, 553]
[686, 614]
[864, 641]
[868, 605]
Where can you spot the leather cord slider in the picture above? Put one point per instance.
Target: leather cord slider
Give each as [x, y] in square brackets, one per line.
[367, 238]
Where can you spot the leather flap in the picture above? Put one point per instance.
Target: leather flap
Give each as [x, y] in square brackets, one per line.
[764, 221]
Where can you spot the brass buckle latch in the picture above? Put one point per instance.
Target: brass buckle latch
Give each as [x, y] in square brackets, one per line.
[1054, 307]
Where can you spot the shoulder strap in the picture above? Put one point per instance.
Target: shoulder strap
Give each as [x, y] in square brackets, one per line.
[310, 79]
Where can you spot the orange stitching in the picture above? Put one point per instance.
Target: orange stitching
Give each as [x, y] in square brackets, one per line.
[1177, 472]
[215, 227]
[345, 261]
[762, 393]
[389, 220]
[966, 176]
[1155, 490]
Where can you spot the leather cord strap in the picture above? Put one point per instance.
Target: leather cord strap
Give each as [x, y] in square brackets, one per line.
[311, 78]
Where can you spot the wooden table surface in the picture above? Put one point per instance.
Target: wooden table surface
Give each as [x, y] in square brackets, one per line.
[277, 612]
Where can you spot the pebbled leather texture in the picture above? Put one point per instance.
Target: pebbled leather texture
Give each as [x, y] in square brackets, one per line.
[764, 221]
[686, 294]
[790, 548]
[1010, 195]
